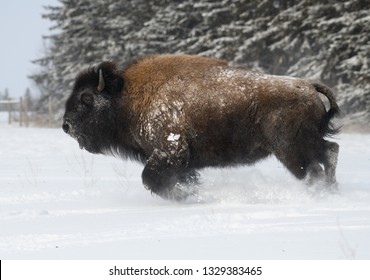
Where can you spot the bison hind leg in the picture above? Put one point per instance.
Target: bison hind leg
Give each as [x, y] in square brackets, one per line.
[304, 168]
[328, 159]
[293, 162]
[303, 161]
[316, 173]
[316, 163]
[330, 162]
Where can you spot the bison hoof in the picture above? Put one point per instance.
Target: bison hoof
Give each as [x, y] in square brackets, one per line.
[323, 187]
[179, 192]
[332, 187]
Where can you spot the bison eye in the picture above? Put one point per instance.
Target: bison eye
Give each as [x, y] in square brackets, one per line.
[87, 98]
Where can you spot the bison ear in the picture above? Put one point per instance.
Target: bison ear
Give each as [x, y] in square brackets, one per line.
[109, 79]
[101, 84]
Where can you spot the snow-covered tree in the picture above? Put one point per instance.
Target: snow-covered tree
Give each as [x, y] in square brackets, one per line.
[311, 39]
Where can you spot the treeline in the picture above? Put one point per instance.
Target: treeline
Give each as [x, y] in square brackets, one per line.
[326, 40]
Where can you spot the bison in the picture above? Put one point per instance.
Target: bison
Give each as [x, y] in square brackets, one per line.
[179, 113]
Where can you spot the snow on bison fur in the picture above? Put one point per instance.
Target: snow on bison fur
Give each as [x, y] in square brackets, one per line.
[179, 113]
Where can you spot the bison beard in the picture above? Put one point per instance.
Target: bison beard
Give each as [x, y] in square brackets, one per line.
[179, 113]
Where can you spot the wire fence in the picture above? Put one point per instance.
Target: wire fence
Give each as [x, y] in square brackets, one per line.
[18, 110]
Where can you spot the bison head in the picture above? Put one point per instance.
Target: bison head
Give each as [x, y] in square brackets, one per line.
[91, 110]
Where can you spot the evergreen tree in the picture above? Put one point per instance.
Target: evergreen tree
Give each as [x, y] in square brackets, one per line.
[304, 38]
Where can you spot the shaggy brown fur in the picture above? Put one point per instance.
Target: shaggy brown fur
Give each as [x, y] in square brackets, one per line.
[179, 113]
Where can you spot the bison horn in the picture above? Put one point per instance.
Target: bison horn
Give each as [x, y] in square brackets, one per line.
[101, 85]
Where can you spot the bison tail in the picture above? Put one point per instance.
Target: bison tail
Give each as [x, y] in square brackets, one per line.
[327, 127]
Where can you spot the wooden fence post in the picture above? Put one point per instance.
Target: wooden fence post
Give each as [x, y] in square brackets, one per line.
[9, 112]
[20, 111]
[27, 101]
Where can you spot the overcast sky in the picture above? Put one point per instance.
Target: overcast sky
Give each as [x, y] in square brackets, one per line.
[21, 30]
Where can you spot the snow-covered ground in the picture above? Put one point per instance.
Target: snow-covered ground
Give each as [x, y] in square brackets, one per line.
[59, 202]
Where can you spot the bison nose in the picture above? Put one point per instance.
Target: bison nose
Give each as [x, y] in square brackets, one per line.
[65, 127]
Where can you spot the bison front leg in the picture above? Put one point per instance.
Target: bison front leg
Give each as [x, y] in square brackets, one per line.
[167, 175]
[158, 176]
